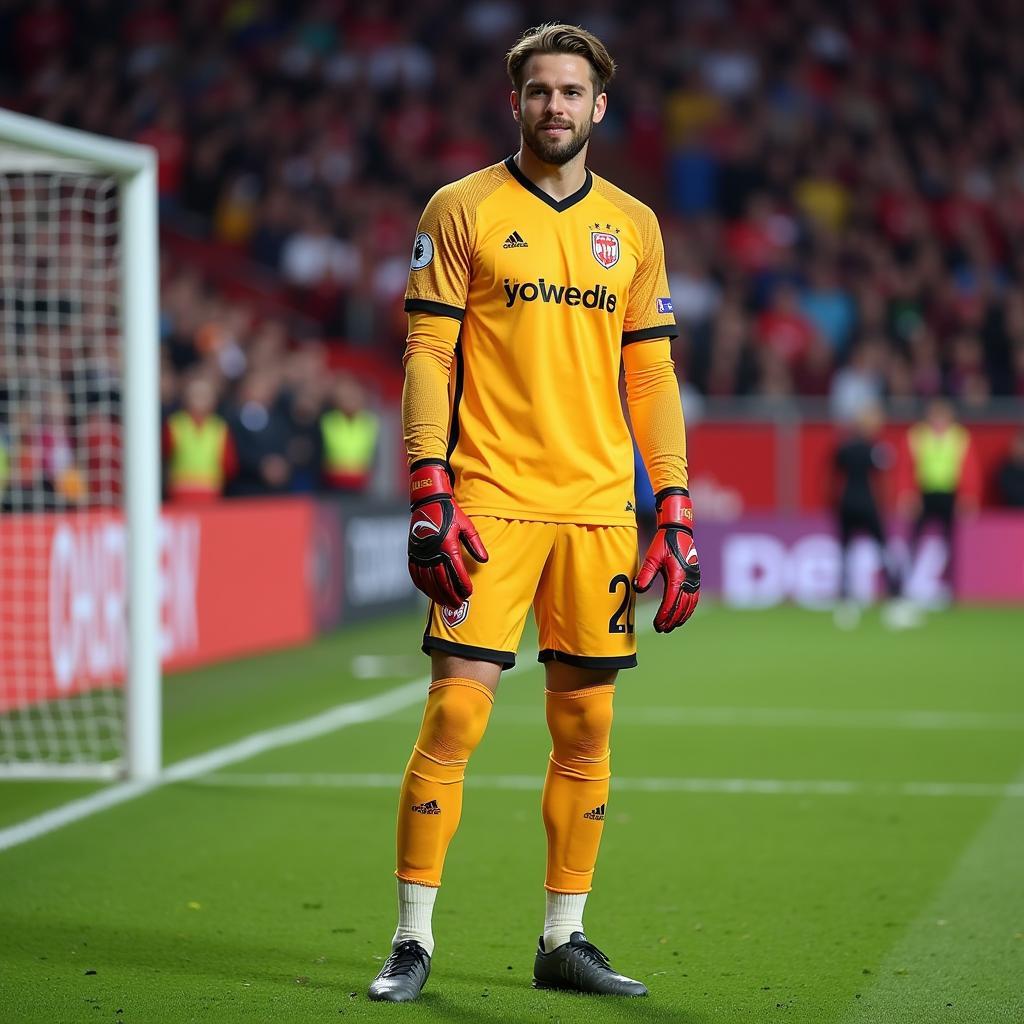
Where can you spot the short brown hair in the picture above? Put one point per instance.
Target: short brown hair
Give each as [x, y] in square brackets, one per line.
[557, 38]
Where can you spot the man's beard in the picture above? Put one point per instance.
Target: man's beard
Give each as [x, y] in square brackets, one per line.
[557, 151]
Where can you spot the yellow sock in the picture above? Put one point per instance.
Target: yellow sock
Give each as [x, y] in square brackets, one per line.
[576, 786]
[430, 805]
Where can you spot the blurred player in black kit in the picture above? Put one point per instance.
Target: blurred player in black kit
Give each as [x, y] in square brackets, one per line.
[858, 461]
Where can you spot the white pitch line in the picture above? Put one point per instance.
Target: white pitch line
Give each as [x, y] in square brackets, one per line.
[381, 666]
[339, 717]
[767, 787]
[810, 718]
[816, 718]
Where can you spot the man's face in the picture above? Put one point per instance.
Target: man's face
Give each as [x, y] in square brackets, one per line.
[200, 397]
[557, 109]
[940, 414]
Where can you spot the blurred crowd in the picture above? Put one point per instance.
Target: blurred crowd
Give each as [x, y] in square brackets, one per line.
[841, 191]
[265, 421]
[279, 420]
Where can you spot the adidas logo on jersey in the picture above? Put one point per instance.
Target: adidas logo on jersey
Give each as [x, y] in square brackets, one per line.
[430, 807]
[597, 814]
[597, 297]
[515, 241]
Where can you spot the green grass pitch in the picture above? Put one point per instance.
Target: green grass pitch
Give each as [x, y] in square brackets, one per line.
[808, 826]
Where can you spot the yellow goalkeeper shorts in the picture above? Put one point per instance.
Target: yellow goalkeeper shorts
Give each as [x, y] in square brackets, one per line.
[579, 580]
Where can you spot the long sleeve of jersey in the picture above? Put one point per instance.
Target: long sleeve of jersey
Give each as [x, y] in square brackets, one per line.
[652, 395]
[425, 406]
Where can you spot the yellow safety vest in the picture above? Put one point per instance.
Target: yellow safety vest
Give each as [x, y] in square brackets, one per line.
[938, 458]
[5, 467]
[197, 456]
[349, 442]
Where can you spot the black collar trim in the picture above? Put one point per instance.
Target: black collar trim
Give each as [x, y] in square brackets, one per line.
[558, 205]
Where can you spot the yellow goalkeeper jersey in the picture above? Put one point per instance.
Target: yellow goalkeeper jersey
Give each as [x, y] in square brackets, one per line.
[547, 292]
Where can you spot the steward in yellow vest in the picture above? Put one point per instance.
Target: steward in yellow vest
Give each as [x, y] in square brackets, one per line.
[938, 456]
[940, 472]
[198, 451]
[350, 434]
[941, 460]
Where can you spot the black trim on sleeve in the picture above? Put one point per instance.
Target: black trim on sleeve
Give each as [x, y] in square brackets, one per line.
[650, 333]
[582, 661]
[506, 659]
[429, 306]
[558, 205]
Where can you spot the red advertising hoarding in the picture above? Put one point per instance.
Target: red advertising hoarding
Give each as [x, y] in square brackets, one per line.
[232, 581]
[752, 468]
[733, 468]
[818, 443]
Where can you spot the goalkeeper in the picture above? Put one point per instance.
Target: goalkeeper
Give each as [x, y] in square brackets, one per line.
[532, 283]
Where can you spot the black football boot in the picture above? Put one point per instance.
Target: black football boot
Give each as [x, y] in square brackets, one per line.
[403, 975]
[580, 966]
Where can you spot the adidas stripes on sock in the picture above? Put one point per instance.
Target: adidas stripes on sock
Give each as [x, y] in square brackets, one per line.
[430, 804]
[576, 785]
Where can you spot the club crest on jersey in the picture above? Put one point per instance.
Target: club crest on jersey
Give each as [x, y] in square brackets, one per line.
[455, 616]
[605, 247]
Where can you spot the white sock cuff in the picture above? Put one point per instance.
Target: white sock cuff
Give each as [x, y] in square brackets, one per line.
[563, 915]
[413, 892]
[415, 912]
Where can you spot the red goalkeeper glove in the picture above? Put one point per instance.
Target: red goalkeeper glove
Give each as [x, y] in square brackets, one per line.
[437, 528]
[672, 555]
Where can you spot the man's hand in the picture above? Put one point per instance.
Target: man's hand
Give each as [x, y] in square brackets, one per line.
[437, 528]
[672, 555]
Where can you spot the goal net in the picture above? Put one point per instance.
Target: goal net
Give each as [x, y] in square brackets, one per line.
[69, 347]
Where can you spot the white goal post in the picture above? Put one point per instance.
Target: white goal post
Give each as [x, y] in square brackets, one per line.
[78, 324]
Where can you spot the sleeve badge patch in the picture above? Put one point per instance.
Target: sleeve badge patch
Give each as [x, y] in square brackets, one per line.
[422, 251]
[664, 306]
